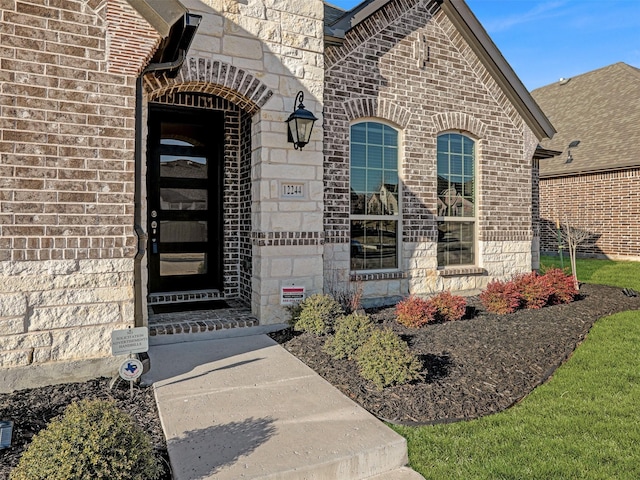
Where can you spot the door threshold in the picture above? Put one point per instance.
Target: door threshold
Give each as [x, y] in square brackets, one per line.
[160, 298]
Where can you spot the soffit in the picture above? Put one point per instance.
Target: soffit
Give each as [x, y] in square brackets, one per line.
[161, 14]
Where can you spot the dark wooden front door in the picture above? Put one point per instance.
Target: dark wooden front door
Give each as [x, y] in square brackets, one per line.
[185, 170]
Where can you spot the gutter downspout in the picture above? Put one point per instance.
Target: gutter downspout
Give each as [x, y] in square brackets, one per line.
[138, 221]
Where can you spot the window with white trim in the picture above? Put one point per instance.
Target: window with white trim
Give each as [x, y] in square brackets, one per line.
[456, 214]
[375, 212]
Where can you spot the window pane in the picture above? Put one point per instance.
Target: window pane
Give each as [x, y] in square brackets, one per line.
[374, 180]
[390, 137]
[183, 232]
[359, 133]
[374, 133]
[468, 145]
[455, 165]
[359, 180]
[455, 143]
[456, 243]
[358, 156]
[175, 166]
[183, 199]
[358, 202]
[374, 244]
[374, 157]
[391, 158]
[183, 264]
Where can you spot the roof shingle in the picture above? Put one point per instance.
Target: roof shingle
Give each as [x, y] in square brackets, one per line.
[601, 109]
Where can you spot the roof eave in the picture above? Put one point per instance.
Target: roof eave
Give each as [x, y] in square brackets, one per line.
[588, 171]
[480, 42]
[162, 16]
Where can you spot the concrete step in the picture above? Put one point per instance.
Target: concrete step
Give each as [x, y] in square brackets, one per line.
[244, 408]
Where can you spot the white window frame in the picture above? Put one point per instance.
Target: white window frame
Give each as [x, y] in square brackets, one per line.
[461, 219]
[398, 215]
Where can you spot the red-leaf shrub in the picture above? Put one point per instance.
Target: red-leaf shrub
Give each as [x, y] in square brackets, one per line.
[563, 289]
[448, 307]
[414, 312]
[500, 297]
[534, 290]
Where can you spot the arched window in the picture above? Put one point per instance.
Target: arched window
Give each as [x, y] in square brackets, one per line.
[456, 200]
[375, 211]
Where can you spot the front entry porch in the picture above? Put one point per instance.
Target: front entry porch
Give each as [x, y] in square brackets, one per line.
[204, 314]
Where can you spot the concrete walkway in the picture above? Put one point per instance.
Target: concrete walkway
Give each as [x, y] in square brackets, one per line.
[244, 408]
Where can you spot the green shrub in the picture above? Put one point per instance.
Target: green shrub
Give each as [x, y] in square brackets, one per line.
[351, 332]
[92, 440]
[294, 313]
[448, 308]
[414, 312]
[501, 297]
[317, 315]
[386, 360]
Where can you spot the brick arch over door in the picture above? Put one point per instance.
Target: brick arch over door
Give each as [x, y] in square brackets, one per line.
[379, 108]
[459, 121]
[212, 77]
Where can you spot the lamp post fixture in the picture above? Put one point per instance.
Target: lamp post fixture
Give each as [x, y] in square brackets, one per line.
[300, 124]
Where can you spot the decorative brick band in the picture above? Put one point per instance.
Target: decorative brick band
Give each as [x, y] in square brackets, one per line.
[415, 237]
[203, 75]
[337, 236]
[461, 272]
[277, 239]
[506, 236]
[377, 107]
[367, 277]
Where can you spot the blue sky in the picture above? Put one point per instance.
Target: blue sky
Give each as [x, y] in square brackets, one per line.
[544, 40]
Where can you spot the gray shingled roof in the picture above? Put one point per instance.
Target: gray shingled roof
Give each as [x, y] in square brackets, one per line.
[601, 109]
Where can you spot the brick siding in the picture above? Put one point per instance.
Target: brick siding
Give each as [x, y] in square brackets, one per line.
[67, 144]
[383, 71]
[608, 204]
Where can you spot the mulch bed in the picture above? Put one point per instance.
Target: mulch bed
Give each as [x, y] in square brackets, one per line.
[479, 365]
[32, 409]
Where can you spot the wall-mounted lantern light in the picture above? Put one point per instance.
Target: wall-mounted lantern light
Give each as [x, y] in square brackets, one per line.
[300, 124]
[573, 144]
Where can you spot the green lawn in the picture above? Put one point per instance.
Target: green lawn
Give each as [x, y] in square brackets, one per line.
[583, 424]
[603, 272]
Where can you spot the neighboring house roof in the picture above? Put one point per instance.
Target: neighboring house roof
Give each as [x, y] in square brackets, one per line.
[479, 41]
[601, 109]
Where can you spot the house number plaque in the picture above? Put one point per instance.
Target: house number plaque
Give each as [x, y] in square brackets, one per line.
[292, 190]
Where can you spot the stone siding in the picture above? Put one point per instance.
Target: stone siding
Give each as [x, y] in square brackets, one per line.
[258, 56]
[607, 204]
[408, 66]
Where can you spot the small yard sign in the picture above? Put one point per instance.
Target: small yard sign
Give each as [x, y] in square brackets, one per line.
[129, 341]
[291, 294]
[130, 369]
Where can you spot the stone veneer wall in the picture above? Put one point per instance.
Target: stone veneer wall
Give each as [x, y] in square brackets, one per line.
[67, 115]
[408, 66]
[607, 204]
[259, 55]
